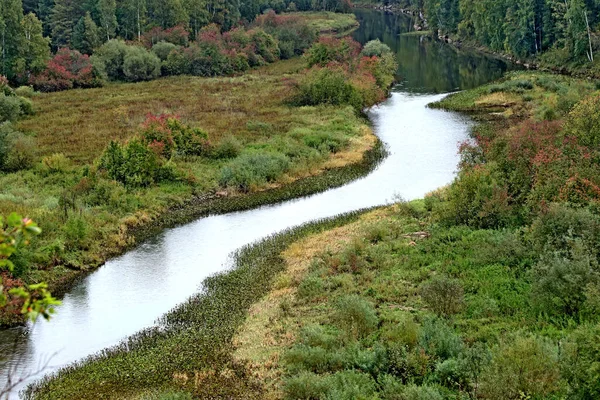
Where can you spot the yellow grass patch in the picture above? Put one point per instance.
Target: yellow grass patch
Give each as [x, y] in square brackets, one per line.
[268, 330]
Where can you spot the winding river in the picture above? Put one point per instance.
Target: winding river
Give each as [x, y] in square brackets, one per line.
[130, 292]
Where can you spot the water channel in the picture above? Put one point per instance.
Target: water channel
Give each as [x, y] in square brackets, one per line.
[130, 292]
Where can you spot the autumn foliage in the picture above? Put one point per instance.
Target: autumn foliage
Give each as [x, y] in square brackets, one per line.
[66, 70]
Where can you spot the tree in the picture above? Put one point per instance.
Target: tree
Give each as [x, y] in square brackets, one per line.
[132, 17]
[86, 35]
[199, 16]
[11, 36]
[167, 13]
[65, 15]
[36, 50]
[108, 18]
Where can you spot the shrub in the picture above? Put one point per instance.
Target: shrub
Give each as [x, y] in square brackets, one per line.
[22, 152]
[25, 91]
[478, 198]
[440, 340]
[559, 284]
[310, 288]
[140, 65]
[350, 385]
[524, 367]
[229, 147]
[414, 392]
[375, 48]
[580, 362]
[163, 49]
[67, 69]
[55, 163]
[327, 86]
[134, 164]
[583, 122]
[443, 295]
[329, 49]
[253, 169]
[112, 55]
[264, 45]
[10, 108]
[177, 63]
[557, 229]
[167, 136]
[305, 385]
[407, 365]
[356, 316]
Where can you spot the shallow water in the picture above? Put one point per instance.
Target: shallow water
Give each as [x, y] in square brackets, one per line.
[130, 292]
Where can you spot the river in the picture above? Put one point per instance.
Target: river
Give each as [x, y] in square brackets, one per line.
[130, 292]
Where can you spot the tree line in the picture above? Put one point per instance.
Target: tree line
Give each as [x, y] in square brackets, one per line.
[31, 29]
[522, 28]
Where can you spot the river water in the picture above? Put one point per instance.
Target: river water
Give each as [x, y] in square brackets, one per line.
[130, 292]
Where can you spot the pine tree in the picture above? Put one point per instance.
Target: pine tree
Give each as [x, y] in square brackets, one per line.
[199, 17]
[167, 13]
[63, 18]
[108, 18]
[86, 35]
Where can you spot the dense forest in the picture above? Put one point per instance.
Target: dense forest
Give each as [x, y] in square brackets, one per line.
[31, 29]
[522, 28]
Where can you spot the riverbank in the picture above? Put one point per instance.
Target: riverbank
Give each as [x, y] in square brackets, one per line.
[87, 219]
[457, 294]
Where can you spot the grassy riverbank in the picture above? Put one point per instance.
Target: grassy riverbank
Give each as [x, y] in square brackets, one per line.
[488, 288]
[87, 218]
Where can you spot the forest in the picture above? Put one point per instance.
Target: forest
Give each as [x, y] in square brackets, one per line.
[554, 32]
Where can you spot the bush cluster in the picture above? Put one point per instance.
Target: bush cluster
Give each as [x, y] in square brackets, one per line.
[127, 62]
[68, 69]
[147, 158]
[339, 76]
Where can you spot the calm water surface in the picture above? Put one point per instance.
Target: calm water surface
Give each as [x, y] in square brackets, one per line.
[130, 292]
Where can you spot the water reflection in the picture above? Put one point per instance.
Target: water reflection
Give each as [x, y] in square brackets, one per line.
[426, 65]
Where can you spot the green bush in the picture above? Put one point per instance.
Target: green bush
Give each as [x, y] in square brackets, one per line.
[443, 295]
[327, 86]
[229, 147]
[440, 340]
[265, 45]
[55, 163]
[350, 385]
[140, 65]
[163, 49]
[252, 169]
[375, 48]
[414, 392]
[10, 108]
[526, 367]
[559, 284]
[177, 63]
[112, 55]
[583, 122]
[325, 142]
[26, 91]
[305, 385]
[22, 154]
[311, 288]
[134, 164]
[478, 198]
[356, 316]
[580, 362]
[557, 229]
